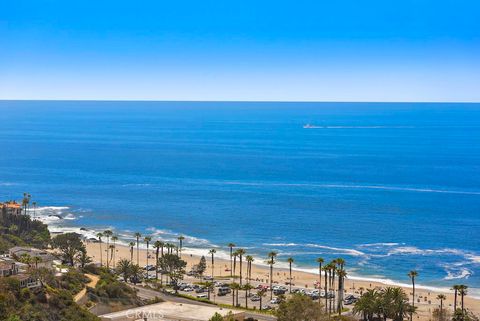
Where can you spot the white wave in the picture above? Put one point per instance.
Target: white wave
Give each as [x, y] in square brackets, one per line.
[348, 186]
[136, 185]
[70, 216]
[171, 236]
[412, 250]
[345, 251]
[51, 208]
[378, 244]
[7, 184]
[473, 258]
[359, 127]
[462, 273]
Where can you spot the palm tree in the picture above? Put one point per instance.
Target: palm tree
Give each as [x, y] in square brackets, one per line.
[325, 270]
[111, 248]
[123, 268]
[235, 254]
[441, 297]
[180, 243]
[249, 260]
[36, 260]
[462, 290]
[138, 236]
[271, 261]
[25, 201]
[82, 258]
[241, 252]
[212, 253]
[342, 274]
[261, 294]
[135, 272]
[114, 240]
[131, 244]
[332, 285]
[413, 274]
[340, 262]
[247, 287]
[108, 234]
[34, 207]
[231, 246]
[290, 260]
[456, 287]
[147, 240]
[209, 286]
[367, 304]
[234, 286]
[320, 261]
[100, 235]
[157, 245]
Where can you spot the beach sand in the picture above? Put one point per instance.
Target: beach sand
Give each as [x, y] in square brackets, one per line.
[427, 298]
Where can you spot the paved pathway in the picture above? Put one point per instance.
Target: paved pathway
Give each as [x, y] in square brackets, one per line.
[151, 294]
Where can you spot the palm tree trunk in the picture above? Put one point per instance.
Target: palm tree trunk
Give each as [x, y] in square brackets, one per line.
[231, 261]
[156, 264]
[326, 292]
[147, 257]
[240, 269]
[138, 257]
[455, 302]
[271, 281]
[101, 254]
[213, 265]
[413, 298]
[246, 301]
[290, 283]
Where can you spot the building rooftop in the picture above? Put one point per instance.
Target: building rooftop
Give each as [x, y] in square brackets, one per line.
[10, 204]
[171, 311]
[33, 252]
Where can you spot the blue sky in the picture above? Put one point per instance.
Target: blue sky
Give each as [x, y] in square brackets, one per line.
[338, 50]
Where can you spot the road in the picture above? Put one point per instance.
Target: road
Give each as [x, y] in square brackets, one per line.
[149, 294]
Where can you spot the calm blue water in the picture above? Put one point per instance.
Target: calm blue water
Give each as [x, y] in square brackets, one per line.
[389, 187]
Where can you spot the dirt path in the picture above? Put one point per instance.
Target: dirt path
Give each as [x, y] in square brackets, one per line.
[93, 282]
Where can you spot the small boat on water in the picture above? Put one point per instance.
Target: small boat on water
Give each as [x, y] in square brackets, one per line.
[310, 126]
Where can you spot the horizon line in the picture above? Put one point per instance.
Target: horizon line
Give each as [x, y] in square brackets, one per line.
[246, 101]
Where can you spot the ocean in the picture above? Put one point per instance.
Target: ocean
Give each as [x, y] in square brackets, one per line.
[389, 187]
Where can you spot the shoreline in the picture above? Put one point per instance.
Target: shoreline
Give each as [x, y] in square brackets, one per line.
[223, 254]
[302, 277]
[260, 272]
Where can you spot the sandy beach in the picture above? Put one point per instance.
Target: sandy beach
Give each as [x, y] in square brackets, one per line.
[425, 299]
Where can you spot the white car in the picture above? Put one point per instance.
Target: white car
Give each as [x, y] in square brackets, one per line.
[274, 301]
[202, 296]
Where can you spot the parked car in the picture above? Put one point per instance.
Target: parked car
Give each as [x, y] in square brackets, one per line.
[202, 296]
[350, 299]
[135, 279]
[200, 290]
[278, 291]
[223, 291]
[275, 301]
[255, 298]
